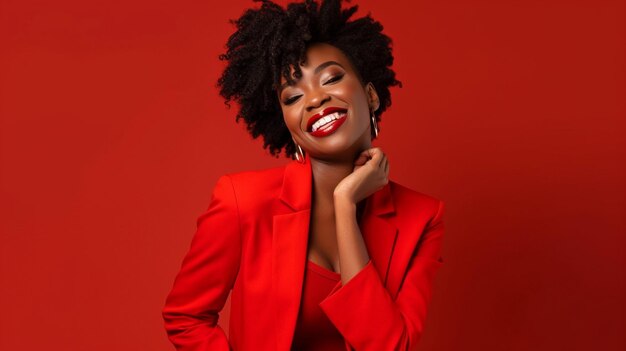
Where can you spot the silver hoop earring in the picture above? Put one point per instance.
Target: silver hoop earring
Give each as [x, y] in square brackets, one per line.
[299, 153]
[375, 125]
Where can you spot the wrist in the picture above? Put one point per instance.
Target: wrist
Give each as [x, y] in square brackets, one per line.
[343, 202]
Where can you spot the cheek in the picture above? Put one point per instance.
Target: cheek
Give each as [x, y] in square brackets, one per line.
[291, 119]
[352, 93]
[359, 101]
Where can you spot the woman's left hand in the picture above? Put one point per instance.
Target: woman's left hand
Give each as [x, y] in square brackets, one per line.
[371, 172]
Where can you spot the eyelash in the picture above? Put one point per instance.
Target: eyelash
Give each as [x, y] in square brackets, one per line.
[335, 78]
[331, 80]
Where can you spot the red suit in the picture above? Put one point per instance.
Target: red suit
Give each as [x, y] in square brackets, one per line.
[253, 239]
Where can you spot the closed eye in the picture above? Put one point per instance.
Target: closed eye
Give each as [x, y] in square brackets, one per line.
[291, 100]
[334, 79]
[295, 98]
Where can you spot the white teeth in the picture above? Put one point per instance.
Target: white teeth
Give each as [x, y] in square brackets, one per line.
[322, 121]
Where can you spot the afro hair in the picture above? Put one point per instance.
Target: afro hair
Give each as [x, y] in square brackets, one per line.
[269, 40]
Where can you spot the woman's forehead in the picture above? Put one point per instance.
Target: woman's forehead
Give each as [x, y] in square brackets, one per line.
[318, 54]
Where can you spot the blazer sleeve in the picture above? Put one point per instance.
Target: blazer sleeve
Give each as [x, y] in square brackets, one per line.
[366, 315]
[206, 276]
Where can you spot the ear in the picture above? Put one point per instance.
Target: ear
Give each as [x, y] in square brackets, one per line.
[372, 96]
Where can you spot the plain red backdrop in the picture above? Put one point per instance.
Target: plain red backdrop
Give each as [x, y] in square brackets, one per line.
[113, 136]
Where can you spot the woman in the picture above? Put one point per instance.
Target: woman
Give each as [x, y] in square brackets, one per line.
[324, 253]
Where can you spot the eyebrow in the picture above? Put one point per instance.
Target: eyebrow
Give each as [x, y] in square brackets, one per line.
[316, 71]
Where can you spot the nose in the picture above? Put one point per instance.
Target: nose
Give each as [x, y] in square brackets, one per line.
[317, 97]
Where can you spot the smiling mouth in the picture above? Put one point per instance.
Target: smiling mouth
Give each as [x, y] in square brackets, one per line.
[320, 123]
[325, 127]
[321, 117]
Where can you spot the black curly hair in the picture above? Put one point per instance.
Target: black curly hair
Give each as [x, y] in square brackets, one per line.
[271, 39]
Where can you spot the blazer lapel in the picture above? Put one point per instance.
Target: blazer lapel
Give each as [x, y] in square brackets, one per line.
[289, 243]
[290, 236]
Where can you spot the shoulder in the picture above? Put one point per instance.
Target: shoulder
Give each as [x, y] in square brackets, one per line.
[257, 179]
[411, 202]
[254, 187]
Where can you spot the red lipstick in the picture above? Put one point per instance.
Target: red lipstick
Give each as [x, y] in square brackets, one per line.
[325, 112]
[329, 127]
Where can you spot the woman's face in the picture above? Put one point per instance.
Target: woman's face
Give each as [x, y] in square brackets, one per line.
[329, 87]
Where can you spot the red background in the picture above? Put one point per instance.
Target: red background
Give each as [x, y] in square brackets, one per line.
[113, 136]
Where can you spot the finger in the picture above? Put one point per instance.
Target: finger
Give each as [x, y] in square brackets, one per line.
[363, 157]
[383, 164]
[360, 161]
[365, 153]
[377, 155]
[383, 158]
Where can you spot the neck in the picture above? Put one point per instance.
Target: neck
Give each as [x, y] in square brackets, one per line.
[327, 173]
[326, 176]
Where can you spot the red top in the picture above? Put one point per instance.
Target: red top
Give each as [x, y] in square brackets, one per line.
[314, 331]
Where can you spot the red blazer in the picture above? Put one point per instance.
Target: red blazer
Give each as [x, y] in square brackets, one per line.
[253, 239]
